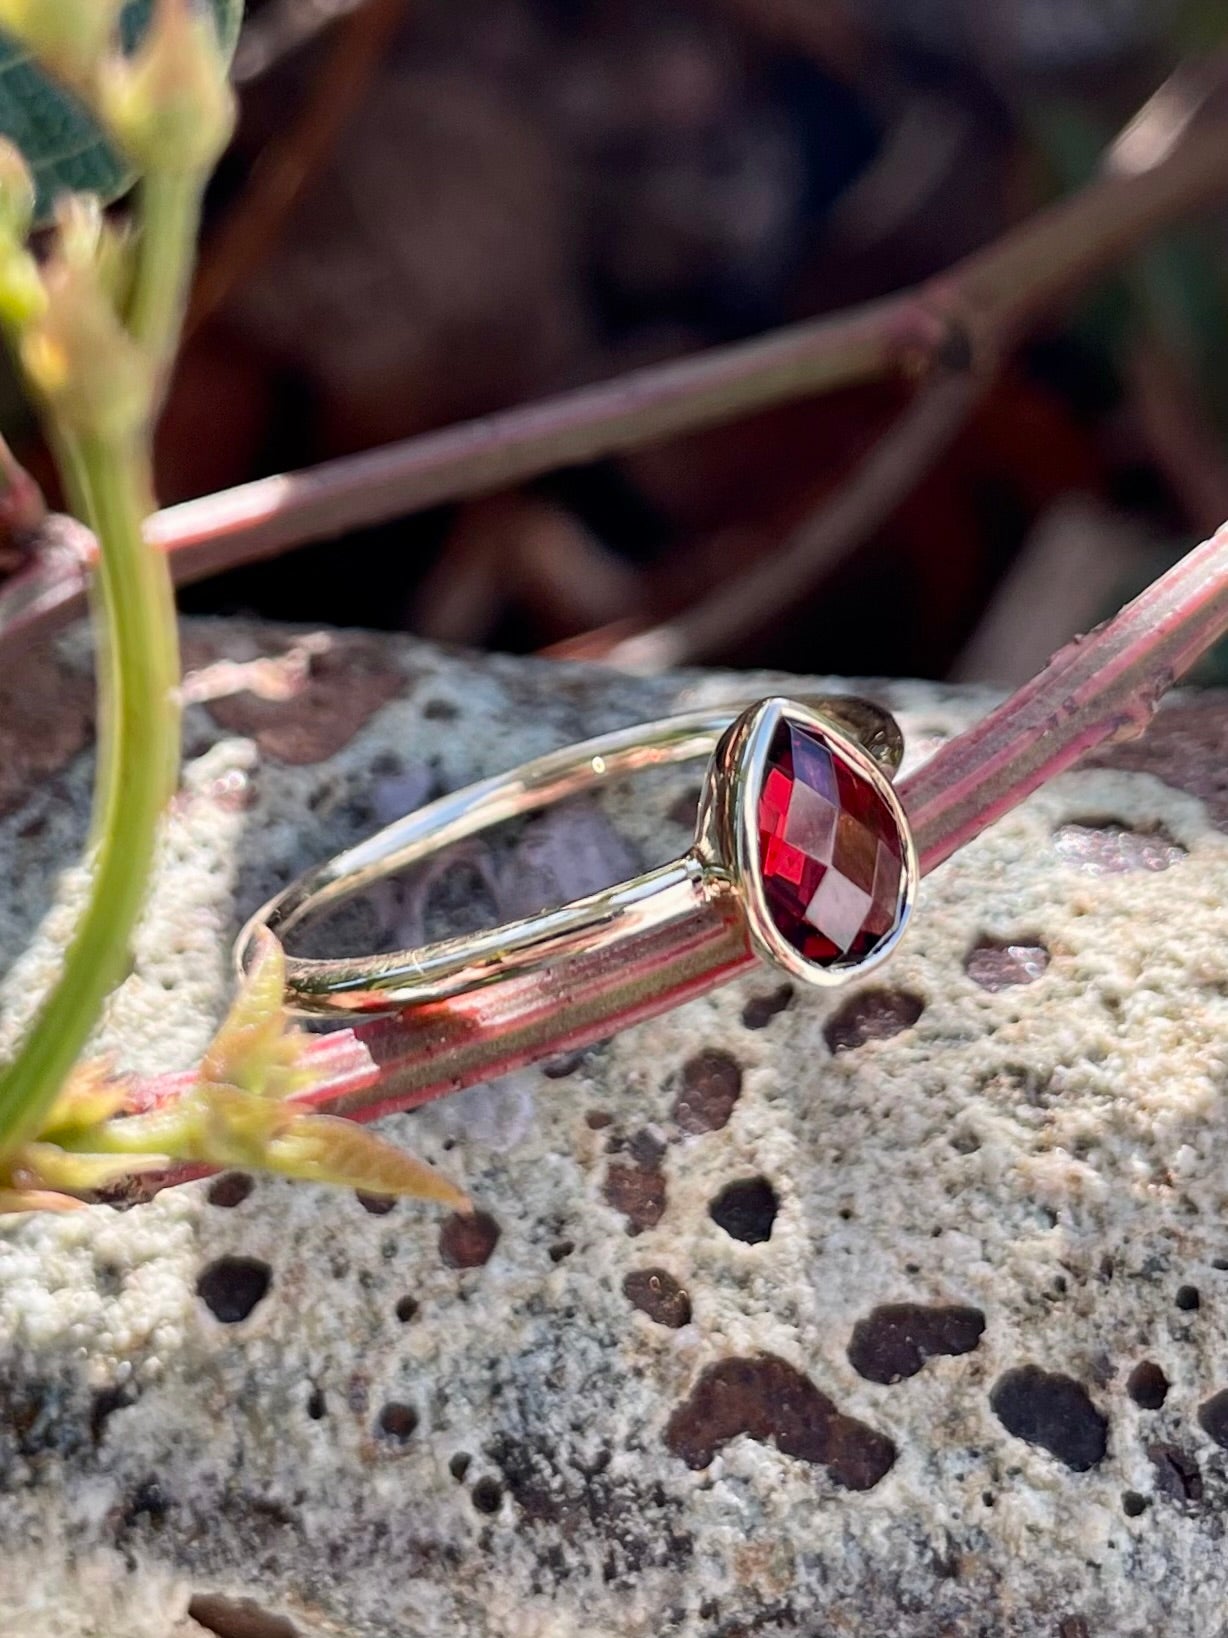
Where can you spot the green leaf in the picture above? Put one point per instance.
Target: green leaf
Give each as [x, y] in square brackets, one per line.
[62, 145]
[325, 1149]
[258, 1049]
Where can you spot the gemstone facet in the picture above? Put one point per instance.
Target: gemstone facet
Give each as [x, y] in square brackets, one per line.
[830, 851]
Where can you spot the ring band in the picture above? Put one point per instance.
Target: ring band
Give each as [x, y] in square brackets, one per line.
[802, 855]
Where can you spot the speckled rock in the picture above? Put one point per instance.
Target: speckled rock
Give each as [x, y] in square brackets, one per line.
[903, 1311]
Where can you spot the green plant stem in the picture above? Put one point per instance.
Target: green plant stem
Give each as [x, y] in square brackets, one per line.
[71, 468]
[170, 219]
[138, 611]
[109, 483]
[174, 1130]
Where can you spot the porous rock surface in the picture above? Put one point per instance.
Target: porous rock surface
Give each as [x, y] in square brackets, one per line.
[903, 1310]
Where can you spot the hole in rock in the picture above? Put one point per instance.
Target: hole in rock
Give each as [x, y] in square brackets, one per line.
[405, 1309]
[561, 1250]
[562, 1064]
[767, 1399]
[1105, 847]
[995, 965]
[1147, 1385]
[232, 1286]
[487, 1495]
[1213, 1417]
[1177, 1472]
[761, 1009]
[379, 1205]
[639, 1193]
[872, 1015]
[656, 1292]
[895, 1340]
[467, 1241]
[1188, 1299]
[231, 1189]
[148, 1502]
[398, 1420]
[317, 1409]
[104, 1405]
[711, 1085]
[238, 1618]
[746, 1210]
[1053, 1411]
[646, 1147]
[1132, 1504]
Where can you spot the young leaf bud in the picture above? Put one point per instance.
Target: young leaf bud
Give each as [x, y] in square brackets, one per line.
[23, 297]
[169, 105]
[77, 353]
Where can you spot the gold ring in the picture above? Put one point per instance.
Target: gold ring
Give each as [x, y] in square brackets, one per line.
[802, 854]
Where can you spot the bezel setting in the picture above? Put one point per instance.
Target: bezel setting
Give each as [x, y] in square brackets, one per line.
[727, 832]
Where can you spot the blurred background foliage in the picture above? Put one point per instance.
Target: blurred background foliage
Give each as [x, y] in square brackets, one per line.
[432, 211]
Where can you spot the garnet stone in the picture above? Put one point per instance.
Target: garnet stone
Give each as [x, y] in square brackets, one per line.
[831, 853]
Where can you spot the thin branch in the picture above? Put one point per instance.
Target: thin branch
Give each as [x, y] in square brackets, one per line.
[479, 457]
[263, 518]
[971, 315]
[522, 547]
[745, 604]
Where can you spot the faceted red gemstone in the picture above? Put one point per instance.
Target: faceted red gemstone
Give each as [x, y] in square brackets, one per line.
[831, 854]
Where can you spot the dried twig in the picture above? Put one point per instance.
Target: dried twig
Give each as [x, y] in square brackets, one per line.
[520, 548]
[746, 603]
[970, 315]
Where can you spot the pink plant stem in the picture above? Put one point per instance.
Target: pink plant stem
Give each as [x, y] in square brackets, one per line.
[1101, 687]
